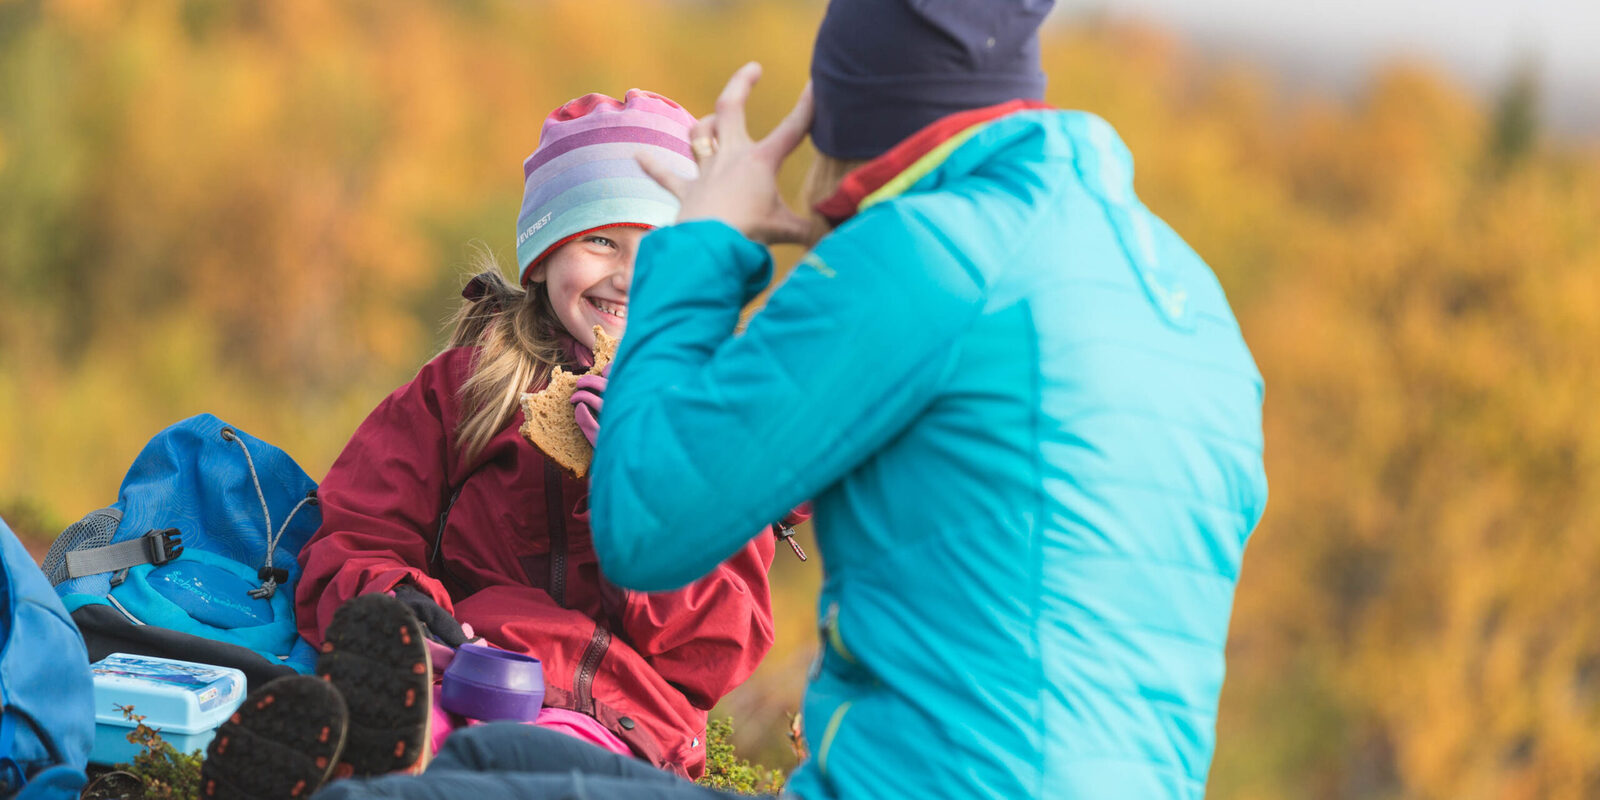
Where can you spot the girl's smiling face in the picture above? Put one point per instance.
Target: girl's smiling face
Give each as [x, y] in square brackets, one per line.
[588, 280]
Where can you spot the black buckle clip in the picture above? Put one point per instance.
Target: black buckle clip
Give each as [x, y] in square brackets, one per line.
[164, 545]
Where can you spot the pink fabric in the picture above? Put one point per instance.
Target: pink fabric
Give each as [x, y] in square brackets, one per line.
[582, 727]
[571, 723]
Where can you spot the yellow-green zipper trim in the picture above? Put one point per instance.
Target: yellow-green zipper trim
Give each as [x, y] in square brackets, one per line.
[919, 168]
[828, 734]
[835, 639]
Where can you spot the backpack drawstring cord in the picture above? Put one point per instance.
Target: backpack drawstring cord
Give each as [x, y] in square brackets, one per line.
[270, 584]
[269, 576]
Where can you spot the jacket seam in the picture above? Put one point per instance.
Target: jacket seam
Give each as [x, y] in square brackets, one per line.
[1198, 430]
[1169, 492]
[1091, 620]
[1036, 544]
[1142, 561]
[1228, 369]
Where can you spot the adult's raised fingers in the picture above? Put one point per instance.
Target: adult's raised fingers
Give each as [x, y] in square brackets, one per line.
[662, 174]
[792, 130]
[730, 123]
[703, 138]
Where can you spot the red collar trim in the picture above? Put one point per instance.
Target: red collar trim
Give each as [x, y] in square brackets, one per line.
[872, 176]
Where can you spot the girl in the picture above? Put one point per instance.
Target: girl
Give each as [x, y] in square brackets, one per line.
[438, 500]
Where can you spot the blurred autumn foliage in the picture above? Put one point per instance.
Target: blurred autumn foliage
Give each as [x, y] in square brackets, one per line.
[263, 209]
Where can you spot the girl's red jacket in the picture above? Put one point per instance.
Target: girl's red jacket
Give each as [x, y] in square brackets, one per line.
[515, 562]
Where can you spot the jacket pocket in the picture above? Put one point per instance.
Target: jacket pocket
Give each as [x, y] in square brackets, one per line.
[834, 654]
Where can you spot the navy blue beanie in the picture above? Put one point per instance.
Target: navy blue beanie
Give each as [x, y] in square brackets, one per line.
[885, 69]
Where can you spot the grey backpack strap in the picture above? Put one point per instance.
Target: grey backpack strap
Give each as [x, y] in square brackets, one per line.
[155, 547]
[96, 529]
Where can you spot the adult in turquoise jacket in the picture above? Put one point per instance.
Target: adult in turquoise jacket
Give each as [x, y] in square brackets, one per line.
[1023, 406]
[1026, 412]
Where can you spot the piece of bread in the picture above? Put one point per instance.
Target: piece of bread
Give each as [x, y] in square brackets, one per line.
[548, 422]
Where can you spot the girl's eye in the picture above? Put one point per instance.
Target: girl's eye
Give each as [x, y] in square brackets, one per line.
[600, 240]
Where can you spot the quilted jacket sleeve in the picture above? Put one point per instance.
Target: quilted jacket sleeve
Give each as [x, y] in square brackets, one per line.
[844, 355]
[381, 500]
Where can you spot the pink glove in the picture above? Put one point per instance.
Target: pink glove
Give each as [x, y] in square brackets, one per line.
[587, 400]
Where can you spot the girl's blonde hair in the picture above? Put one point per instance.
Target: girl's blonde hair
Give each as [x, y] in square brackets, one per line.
[515, 331]
[822, 180]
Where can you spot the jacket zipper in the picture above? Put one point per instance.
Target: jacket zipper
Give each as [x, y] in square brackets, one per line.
[833, 640]
[828, 733]
[556, 526]
[583, 685]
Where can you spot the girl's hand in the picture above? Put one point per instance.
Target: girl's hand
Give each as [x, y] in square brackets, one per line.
[738, 181]
[436, 622]
[587, 400]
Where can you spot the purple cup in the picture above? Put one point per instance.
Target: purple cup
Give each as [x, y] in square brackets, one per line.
[488, 683]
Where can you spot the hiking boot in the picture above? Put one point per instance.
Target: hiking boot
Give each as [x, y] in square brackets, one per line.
[283, 742]
[374, 654]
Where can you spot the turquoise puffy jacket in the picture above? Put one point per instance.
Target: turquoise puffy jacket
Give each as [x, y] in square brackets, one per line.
[1033, 433]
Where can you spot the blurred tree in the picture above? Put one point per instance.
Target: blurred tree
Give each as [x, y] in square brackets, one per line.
[1516, 117]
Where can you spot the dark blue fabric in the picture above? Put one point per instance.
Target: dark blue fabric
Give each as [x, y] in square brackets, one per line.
[882, 70]
[508, 761]
[45, 684]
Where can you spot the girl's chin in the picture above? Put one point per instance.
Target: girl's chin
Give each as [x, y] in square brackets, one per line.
[585, 331]
[612, 329]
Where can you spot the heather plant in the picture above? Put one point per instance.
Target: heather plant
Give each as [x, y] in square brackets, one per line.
[158, 772]
[728, 772]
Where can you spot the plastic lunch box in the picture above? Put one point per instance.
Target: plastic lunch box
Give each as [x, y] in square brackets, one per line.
[185, 701]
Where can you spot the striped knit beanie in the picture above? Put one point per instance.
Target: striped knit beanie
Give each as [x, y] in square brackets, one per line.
[583, 176]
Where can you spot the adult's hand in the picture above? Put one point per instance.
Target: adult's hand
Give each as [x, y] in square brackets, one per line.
[587, 400]
[738, 180]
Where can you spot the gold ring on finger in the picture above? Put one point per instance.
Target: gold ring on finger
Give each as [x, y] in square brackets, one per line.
[703, 147]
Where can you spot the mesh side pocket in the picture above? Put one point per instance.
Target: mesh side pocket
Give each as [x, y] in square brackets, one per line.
[94, 530]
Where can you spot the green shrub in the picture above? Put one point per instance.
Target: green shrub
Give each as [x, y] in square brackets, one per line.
[730, 773]
[166, 773]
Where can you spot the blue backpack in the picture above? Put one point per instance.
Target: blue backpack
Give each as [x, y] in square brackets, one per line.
[46, 691]
[196, 559]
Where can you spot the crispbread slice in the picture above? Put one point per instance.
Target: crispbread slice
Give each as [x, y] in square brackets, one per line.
[548, 422]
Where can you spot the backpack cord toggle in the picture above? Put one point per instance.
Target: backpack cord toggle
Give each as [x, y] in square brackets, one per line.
[270, 576]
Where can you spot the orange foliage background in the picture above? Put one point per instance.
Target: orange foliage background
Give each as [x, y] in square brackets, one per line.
[264, 210]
